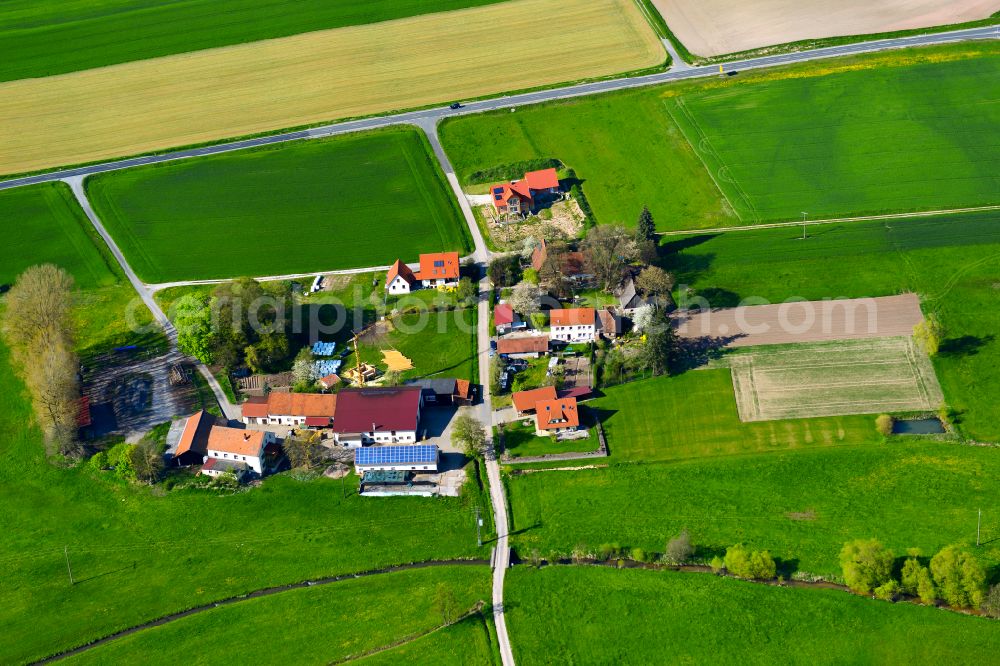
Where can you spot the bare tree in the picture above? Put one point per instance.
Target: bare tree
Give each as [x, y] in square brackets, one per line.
[40, 301]
[654, 281]
[608, 250]
[38, 328]
[50, 372]
[147, 460]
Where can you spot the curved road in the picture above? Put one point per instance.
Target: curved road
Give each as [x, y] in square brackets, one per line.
[434, 115]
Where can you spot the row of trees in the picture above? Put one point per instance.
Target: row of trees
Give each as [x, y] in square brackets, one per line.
[242, 322]
[38, 328]
[142, 461]
[954, 575]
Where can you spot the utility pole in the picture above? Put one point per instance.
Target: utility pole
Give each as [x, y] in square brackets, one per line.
[68, 567]
[804, 215]
[979, 525]
[479, 524]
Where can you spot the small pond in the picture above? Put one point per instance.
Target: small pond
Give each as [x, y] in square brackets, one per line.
[932, 426]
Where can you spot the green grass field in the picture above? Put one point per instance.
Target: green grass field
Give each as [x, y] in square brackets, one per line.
[344, 202]
[909, 130]
[308, 626]
[802, 504]
[45, 225]
[138, 553]
[464, 644]
[694, 415]
[624, 147]
[42, 39]
[520, 440]
[953, 262]
[577, 615]
[918, 134]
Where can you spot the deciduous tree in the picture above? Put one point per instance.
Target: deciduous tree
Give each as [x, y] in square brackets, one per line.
[193, 320]
[467, 291]
[526, 299]
[866, 564]
[960, 578]
[929, 333]
[654, 281]
[608, 250]
[468, 434]
[679, 549]
[661, 343]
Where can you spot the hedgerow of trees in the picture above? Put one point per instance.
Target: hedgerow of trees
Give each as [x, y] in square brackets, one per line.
[38, 329]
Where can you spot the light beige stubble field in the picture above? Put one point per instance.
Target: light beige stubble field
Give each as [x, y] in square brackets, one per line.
[834, 379]
[716, 27]
[348, 72]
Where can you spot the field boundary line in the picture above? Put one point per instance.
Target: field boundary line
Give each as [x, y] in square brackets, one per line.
[255, 594]
[833, 220]
[701, 158]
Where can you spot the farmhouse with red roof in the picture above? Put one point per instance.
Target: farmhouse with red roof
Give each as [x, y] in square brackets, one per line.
[383, 415]
[574, 324]
[235, 450]
[292, 409]
[523, 197]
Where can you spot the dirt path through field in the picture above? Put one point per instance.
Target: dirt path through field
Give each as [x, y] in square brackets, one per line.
[717, 27]
[804, 321]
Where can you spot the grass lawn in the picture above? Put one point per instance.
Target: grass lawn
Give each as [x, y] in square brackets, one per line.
[801, 504]
[899, 132]
[352, 201]
[694, 415]
[311, 625]
[520, 440]
[439, 344]
[953, 262]
[781, 141]
[556, 614]
[464, 644]
[42, 39]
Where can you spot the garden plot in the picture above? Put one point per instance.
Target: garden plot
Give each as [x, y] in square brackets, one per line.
[833, 379]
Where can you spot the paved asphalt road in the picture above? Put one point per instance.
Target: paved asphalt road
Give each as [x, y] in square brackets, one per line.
[432, 116]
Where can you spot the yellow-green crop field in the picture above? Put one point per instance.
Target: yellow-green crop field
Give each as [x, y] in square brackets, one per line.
[314, 77]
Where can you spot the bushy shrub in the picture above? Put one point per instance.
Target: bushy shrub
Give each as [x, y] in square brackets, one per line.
[99, 461]
[884, 424]
[608, 550]
[679, 549]
[992, 604]
[887, 591]
[717, 564]
[960, 578]
[744, 563]
[638, 554]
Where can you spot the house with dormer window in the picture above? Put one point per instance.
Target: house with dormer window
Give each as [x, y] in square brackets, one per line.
[440, 270]
[520, 198]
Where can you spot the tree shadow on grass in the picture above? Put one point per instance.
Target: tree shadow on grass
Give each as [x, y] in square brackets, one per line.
[692, 353]
[966, 345]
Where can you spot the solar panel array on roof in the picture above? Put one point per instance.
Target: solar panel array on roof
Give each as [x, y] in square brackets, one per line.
[396, 455]
[323, 348]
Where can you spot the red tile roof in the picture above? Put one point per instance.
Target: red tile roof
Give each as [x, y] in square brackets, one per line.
[526, 345]
[330, 380]
[525, 401]
[396, 408]
[503, 314]
[439, 266]
[573, 317]
[317, 421]
[402, 270]
[555, 414]
[292, 404]
[502, 193]
[538, 256]
[463, 389]
[195, 434]
[235, 440]
[542, 180]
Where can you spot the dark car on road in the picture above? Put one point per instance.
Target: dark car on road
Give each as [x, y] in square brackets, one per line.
[455, 105]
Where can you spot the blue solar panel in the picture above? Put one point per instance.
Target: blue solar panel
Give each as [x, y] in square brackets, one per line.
[424, 454]
[323, 348]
